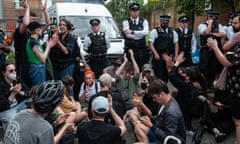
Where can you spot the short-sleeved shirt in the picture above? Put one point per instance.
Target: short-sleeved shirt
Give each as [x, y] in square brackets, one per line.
[32, 57]
[203, 26]
[154, 36]
[233, 81]
[137, 35]
[132, 85]
[28, 128]
[97, 132]
[236, 38]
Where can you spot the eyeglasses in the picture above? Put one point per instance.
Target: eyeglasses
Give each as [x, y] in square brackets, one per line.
[12, 70]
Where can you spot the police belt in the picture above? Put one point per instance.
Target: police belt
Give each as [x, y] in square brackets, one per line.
[97, 55]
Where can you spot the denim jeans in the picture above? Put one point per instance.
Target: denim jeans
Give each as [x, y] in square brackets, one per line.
[8, 115]
[37, 73]
[59, 74]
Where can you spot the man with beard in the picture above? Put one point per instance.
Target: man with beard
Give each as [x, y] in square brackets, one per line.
[232, 30]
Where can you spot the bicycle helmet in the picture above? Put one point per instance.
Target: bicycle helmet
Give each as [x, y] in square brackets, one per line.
[47, 95]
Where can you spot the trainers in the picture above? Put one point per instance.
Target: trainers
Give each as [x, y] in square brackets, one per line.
[220, 137]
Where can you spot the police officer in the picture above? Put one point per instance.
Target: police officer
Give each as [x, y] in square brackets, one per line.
[96, 44]
[135, 28]
[163, 41]
[186, 40]
[209, 65]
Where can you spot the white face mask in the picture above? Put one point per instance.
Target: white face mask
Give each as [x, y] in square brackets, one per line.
[12, 76]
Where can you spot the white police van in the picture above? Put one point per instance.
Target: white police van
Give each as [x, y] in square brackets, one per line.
[79, 14]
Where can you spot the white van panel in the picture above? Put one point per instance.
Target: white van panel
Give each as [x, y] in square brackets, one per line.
[74, 9]
[80, 13]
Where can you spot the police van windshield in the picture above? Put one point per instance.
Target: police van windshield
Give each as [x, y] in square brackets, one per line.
[82, 27]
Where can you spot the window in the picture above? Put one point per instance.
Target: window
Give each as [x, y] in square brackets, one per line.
[17, 4]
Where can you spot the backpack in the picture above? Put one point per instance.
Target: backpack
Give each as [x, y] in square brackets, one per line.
[96, 86]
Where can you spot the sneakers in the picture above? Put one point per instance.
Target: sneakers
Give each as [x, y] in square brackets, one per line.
[220, 137]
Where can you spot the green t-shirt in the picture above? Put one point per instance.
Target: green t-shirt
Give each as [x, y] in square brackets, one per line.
[131, 83]
[32, 57]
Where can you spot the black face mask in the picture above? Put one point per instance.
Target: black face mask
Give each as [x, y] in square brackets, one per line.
[143, 85]
[117, 64]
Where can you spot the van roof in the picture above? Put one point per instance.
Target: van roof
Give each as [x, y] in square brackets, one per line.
[85, 9]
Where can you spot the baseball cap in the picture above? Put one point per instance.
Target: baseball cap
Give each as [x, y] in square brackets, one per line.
[134, 6]
[147, 67]
[100, 105]
[34, 25]
[106, 78]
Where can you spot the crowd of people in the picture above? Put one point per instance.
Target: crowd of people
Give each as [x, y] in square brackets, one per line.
[39, 104]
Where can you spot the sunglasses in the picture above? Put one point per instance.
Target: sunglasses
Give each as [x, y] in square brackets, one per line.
[12, 70]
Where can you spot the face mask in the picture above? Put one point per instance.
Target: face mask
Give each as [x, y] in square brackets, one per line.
[143, 85]
[12, 76]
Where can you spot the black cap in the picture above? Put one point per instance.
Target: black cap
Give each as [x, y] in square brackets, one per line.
[213, 13]
[165, 18]
[134, 6]
[34, 25]
[183, 19]
[94, 22]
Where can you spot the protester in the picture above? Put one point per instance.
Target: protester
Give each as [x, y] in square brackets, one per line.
[127, 76]
[168, 121]
[97, 131]
[29, 125]
[13, 94]
[88, 88]
[231, 60]
[37, 56]
[21, 36]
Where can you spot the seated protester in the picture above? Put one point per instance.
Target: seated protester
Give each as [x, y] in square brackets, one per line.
[139, 110]
[127, 77]
[147, 99]
[113, 68]
[106, 82]
[168, 121]
[29, 126]
[13, 93]
[68, 105]
[88, 88]
[96, 130]
[186, 81]
[220, 123]
[146, 70]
